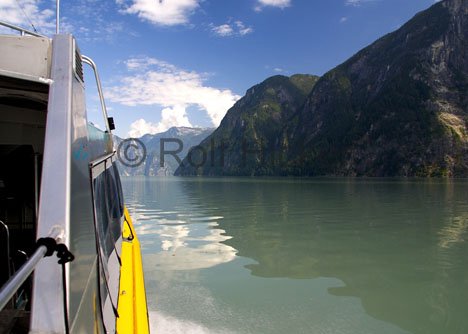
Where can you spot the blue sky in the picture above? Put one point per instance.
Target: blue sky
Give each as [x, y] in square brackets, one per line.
[185, 62]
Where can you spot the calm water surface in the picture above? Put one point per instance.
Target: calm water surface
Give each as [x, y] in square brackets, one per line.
[313, 256]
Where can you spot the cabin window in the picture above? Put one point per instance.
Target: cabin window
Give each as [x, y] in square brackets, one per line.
[102, 216]
[108, 204]
[109, 211]
[115, 195]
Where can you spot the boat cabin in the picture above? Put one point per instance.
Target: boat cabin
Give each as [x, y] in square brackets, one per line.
[60, 194]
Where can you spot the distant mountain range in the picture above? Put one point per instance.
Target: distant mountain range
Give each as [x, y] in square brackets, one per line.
[399, 107]
[174, 139]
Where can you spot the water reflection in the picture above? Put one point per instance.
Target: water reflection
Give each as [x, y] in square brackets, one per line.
[400, 247]
[454, 232]
[176, 235]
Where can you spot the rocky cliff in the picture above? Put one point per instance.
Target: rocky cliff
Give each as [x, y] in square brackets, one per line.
[255, 124]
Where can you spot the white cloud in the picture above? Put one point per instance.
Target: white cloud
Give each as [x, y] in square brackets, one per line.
[223, 30]
[278, 69]
[238, 28]
[242, 29]
[155, 82]
[145, 63]
[170, 117]
[272, 3]
[21, 12]
[275, 3]
[357, 3]
[141, 127]
[343, 19]
[161, 12]
[89, 20]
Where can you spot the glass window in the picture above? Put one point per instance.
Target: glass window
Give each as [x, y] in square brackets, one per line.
[109, 208]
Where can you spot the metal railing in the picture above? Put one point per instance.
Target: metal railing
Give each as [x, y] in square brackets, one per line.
[9, 289]
[91, 63]
[22, 31]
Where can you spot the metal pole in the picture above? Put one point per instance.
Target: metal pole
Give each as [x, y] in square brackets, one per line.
[91, 63]
[15, 282]
[57, 18]
[9, 289]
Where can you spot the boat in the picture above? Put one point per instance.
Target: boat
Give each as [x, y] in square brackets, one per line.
[69, 253]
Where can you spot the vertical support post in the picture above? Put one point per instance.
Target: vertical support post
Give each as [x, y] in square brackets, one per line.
[57, 17]
[36, 183]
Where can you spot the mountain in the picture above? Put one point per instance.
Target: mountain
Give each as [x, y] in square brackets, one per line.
[174, 139]
[255, 121]
[399, 107]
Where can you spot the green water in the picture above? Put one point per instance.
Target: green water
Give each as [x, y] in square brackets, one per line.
[288, 256]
